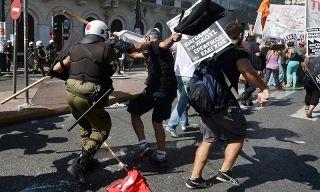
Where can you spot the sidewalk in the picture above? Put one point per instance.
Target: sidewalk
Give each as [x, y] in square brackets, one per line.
[125, 87]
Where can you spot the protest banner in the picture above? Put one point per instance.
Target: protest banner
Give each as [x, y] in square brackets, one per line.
[257, 30]
[285, 22]
[205, 44]
[313, 27]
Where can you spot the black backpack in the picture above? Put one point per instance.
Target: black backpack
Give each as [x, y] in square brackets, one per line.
[209, 86]
[202, 16]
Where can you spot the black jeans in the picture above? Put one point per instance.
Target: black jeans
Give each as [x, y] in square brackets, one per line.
[249, 89]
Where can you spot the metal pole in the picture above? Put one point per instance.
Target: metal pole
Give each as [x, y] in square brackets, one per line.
[15, 44]
[25, 27]
[2, 35]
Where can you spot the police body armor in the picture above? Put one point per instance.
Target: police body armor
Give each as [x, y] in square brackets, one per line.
[39, 51]
[88, 63]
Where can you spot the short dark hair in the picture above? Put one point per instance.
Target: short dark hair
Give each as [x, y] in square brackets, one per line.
[153, 32]
[234, 29]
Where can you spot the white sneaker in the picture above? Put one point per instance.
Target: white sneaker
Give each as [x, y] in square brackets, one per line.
[183, 127]
[171, 131]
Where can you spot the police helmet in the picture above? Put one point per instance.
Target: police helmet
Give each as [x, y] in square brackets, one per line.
[97, 27]
[39, 43]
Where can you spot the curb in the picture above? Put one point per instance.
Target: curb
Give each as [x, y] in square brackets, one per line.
[39, 113]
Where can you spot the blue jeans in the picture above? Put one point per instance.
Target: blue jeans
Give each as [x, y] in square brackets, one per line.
[180, 113]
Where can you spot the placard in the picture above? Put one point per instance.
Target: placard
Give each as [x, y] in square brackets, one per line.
[285, 22]
[313, 27]
[205, 44]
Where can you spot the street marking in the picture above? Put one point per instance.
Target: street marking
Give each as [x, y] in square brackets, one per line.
[275, 96]
[302, 115]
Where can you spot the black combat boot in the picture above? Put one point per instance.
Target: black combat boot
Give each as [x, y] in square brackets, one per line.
[79, 166]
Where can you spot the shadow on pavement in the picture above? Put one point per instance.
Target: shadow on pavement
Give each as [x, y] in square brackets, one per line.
[60, 180]
[29, 137]
[256, 132]
[274, 164]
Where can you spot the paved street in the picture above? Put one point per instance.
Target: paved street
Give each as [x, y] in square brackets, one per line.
[281, 154]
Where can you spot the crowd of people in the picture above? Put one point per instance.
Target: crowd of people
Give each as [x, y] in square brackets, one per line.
[90, 69]
[280, 64]
[38, 56]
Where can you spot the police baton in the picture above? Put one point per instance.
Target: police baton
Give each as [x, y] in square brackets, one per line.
[93, 105]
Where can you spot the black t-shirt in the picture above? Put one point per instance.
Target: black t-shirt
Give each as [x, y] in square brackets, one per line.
[264, 51]
[161, 76]
[229, 66]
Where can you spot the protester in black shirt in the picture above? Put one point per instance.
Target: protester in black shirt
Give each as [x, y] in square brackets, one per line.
[159, 93]
[230, 123]
[258, 63]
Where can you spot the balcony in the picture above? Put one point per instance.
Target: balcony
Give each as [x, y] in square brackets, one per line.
[149, 1]
[168, 2]
[171, 3]
[186, 4]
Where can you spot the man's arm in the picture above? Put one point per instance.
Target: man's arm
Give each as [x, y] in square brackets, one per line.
[136, 56]
[60, 66]
[167, 43]
[248, 72]
[138, 47]
[129, 47]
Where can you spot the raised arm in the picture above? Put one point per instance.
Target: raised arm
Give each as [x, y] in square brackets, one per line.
[167, 43]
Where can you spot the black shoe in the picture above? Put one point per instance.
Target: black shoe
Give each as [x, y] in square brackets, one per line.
[79, 166]
[163, 163]
[226, 177]
[77, 171]
[92, 164]
[198, 183]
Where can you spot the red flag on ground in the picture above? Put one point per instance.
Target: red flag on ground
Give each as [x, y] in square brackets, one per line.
[134, 182]
[264, 8]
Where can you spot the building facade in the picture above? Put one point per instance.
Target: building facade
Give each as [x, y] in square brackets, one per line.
[47, 20]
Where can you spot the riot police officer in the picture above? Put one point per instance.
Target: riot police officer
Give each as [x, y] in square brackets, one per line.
[31, 55]
[51, 53]
[39, 58]
[9, 56]
[90, 69]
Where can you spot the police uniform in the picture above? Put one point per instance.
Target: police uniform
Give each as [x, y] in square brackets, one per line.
[89, 78]
[51, 54]
[8, 51]
[38, 59]
[31, 57]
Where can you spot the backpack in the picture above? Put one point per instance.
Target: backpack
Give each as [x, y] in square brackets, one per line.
[209, 86]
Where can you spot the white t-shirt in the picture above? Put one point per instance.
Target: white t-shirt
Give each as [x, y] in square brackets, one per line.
[183, 65]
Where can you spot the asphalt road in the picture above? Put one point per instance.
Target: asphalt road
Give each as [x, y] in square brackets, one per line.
[281, 154]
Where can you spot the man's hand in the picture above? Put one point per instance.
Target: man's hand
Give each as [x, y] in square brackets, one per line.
[176, 37]
[263, 96]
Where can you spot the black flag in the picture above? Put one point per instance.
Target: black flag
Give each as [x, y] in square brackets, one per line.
[202, 16]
